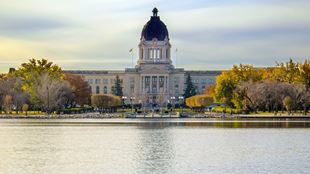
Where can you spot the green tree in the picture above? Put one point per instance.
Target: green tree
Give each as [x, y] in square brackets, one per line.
[117, 89]
[190, 89]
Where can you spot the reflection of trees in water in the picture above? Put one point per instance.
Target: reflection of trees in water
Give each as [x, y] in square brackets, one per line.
[155, 149]
[264, 123]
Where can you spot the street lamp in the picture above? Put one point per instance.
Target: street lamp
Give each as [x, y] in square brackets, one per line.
[131, 100]
[173, 101]
[182, 99]
[123, 99]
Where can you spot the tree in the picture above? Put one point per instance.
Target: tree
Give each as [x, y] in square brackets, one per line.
[199, 101]
[102, 101]
[12, 86]
[53, 94]
[227, 82]
[210, 90]
[25, 108]
[117, 89]
[288, 103]
[225, 87]
[190, 89]
[30, 74]
[80, 89]
[304, 73]
[287, 72]
[7, 103]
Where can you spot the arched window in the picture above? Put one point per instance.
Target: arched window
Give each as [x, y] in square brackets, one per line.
[97, 90]
[150, 53]
[105, 90]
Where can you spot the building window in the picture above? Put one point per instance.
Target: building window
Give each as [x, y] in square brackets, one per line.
[97, 90]
[131, 80]
[97, 81]
[105, 81]
[161, 81]
[150, 53]
[132, 88]
[105, 89]
[167, 53]
[203, 81]
[155, 53]
[176, 79]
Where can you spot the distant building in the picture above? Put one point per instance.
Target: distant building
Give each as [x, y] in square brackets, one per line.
[154, 78]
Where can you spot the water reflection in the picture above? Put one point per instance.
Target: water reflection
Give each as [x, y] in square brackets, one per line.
[153, 146]
[155, 149]
[161, 123]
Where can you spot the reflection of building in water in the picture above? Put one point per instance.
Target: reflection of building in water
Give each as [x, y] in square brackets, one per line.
[154, 79]
[155, 150]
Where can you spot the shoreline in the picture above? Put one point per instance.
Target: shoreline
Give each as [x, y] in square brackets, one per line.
[149, 116]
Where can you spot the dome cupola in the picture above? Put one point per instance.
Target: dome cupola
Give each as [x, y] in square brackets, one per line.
[155, 28]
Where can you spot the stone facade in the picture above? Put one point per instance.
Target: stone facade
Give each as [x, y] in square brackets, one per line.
[154, 78]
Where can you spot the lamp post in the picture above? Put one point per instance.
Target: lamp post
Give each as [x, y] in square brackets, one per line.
[123, 99]
[131, 101]
[141, 105]
[182, 99]
[48, 101]
[173, 102]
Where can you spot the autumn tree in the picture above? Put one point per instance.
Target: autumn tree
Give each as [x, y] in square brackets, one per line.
[53, 94]
[12, 86]
[209, 90]
[227, 82]
[287, 72]
[199, 101]
[80, 89]
[7, 103]
[304, 73]
[102, 101]
[32, 71]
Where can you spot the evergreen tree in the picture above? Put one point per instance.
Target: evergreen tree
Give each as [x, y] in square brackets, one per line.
[117, 89]
[190, 89]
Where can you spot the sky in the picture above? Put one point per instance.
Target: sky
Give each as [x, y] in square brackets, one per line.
[209, 34]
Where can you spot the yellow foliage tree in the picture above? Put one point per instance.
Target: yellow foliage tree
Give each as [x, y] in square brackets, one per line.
[102, 101]
[199, 101]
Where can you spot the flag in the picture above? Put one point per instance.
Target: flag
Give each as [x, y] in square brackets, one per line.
[131, 49]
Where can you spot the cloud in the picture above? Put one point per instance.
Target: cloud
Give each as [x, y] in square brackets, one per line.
[97, 34]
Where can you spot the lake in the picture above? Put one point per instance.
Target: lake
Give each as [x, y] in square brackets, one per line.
[154, 146]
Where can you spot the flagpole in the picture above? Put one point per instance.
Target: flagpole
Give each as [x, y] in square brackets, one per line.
[176, 55]
[132, 58]
[131, 52]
